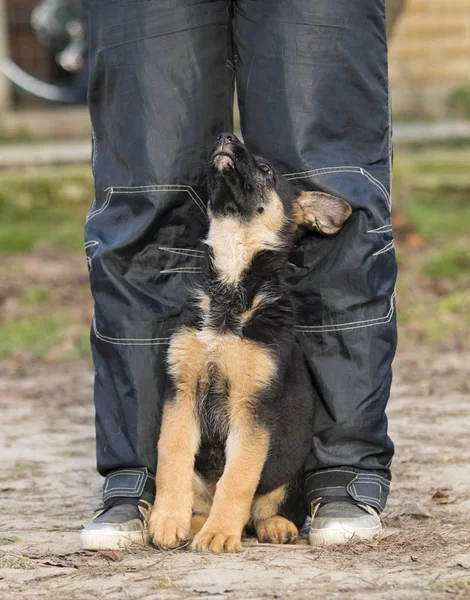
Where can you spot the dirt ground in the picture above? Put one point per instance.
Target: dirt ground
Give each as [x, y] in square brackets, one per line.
[49, 488]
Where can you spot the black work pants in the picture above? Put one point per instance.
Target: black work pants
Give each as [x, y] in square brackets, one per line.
[312, 86]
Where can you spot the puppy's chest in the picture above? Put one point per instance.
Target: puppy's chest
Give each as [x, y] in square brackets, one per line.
[223, 313]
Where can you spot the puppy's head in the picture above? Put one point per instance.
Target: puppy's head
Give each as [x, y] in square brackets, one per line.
[246, 189]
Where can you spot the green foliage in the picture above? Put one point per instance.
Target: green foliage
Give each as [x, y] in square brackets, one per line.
[15, 562]
[34, 336]
[44, 206]
[164, 583]
[454, 263]
[83, 347]
[452, 585]
[8, 539]
[432, 199]
[458, 101]
[36, 295]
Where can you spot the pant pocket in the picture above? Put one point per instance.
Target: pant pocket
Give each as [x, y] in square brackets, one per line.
[141, 245]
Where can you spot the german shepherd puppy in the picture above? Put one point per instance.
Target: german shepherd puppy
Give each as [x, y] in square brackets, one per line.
[237, 426]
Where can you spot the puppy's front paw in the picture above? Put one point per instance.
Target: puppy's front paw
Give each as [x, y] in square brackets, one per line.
[169, 528]
[216, 541]
[276, 530]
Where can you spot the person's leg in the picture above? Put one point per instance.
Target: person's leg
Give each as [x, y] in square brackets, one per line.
[313, 92]
[161, 88]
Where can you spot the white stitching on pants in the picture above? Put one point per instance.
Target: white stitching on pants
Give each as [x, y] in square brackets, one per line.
[386, 248]
[148, 188]
[164, 188]
[353, 324]
[86, 246]
[129, 341]
[183, 270]
[346, 169]
[183, 251]
[384, 229]
[94, 213]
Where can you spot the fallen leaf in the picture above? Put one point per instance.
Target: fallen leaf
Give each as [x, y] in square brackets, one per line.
[441, 493]
[442, 496]
[112, 555]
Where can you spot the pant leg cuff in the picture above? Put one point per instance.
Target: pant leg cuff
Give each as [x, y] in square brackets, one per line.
[334, 484]
[129, 483]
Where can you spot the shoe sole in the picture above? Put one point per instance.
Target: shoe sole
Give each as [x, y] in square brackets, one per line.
[113, 540]
[334, 537]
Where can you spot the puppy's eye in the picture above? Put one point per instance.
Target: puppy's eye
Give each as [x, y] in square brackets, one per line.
[260, 210]
[266, 169]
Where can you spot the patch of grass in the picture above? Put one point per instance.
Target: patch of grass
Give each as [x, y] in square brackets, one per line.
[72, 454]
[36, 295]
[164, 583]
[13, 562]
[457, 303]
[439, 216]
[20, 471]
[44, 206]
[450, 584]
[34, 336]
[9, 539]
[458, 101]
[21, 134]
[83, 347]
[454, 263]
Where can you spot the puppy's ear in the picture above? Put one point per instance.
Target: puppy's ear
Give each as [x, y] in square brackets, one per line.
[321, 212]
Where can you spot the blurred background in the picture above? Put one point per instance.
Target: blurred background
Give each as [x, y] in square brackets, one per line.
[46, 184]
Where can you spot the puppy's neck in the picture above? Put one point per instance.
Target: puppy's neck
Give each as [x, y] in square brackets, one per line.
[235, 247]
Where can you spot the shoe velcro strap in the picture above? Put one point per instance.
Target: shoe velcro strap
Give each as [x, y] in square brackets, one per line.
[129, 483]
[332, 485]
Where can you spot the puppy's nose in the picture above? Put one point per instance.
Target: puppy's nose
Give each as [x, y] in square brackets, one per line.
[226, 138]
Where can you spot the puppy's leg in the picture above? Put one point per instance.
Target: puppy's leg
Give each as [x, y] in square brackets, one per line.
[203, 496]
[247, 448]
[249, 369]
[270, 526]
[179, 440]
[197, 523]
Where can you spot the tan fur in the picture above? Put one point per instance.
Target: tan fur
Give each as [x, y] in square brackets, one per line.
[179, 441]
[247, 449]
[197, 523]
[276, 530]
[248, 368]
[321, 211]
[246, 365]
[235, 243]
[203, 495]
[204, 303]
[257, 302]
[267, 505]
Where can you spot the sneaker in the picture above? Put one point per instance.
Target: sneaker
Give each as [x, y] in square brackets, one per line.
[118, 527]
[340, 522]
